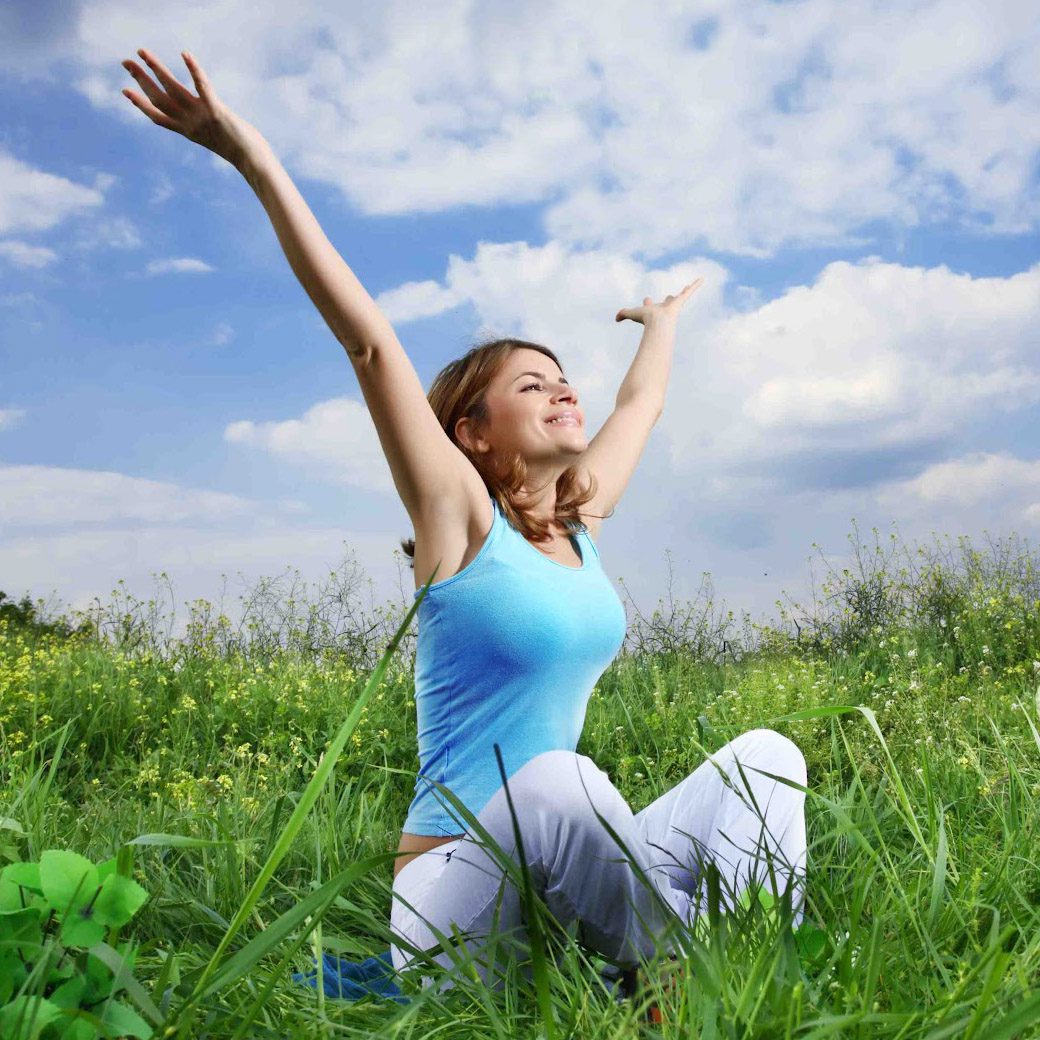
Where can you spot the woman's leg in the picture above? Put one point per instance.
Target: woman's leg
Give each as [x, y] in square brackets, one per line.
[744, 824]
[575, 865]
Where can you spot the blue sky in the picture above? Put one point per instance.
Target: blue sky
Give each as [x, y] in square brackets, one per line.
[857, 183]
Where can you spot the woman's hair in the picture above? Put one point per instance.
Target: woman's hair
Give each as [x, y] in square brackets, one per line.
[459, 390]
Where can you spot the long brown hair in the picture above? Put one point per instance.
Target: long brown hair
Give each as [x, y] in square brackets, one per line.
[460, 390]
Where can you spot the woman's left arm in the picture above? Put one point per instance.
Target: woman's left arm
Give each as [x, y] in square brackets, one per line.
[647, 377]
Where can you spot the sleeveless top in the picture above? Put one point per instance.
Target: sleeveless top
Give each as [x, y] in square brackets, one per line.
[508, 651]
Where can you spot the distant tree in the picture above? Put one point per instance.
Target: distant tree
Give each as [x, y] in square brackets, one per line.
[24, 615]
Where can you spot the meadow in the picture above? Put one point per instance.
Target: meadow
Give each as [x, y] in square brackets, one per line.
[252, 778]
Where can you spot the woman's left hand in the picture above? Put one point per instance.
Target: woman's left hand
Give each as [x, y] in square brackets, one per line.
[670, 308]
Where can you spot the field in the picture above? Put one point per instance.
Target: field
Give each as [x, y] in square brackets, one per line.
[910, 685]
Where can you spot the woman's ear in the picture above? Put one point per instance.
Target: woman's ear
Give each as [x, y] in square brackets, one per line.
[466, 435]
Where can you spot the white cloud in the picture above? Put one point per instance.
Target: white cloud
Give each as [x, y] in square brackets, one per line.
[732, 126]
[162, 191]
[222, 335]
[415, 300]
[110, 233]
[37, 496]
[872, 357]
[974, 479]
[21, 254]
[180, 265]
[33, 200]
[78, 532]
[10, 417]
[17, 299]
[79, 566]
[336, 437]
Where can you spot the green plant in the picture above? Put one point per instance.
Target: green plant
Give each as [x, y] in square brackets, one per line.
[62, 969]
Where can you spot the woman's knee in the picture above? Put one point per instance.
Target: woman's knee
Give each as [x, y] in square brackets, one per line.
[771, 751]
[566, 784]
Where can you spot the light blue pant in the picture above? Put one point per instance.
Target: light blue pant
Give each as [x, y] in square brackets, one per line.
[752, 827]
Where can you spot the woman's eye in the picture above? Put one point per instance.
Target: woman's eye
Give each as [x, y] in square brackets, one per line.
[532, 386]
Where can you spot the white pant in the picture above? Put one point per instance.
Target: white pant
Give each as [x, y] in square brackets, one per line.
[753, 831]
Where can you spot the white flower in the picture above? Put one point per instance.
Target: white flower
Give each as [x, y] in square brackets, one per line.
[942, 622]
[912, 653]
[985, 650]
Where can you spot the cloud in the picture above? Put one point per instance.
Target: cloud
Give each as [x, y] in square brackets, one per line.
[181, 265]
[222, 335]
[162, 191]
[415, 300]
[21, 254]
[79, 532]
[33, 200]
[10, 417]
[973, 479]
[110, 233]
[80, 566]
[871, 372]
[337, 438]
[45, 496]
[874, 367]
[728, 127]
[17, 299]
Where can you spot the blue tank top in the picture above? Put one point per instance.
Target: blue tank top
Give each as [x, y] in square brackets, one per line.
[508, 651]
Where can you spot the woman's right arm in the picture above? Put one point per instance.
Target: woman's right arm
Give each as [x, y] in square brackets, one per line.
[349, 311]
[429, 471]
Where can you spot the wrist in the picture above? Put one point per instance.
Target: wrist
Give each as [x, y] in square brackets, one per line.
[660, 320]
[255, 159]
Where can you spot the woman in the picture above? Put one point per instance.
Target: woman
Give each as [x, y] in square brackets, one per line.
[507, 497]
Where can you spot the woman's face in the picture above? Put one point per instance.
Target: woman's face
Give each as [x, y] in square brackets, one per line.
[529, 390]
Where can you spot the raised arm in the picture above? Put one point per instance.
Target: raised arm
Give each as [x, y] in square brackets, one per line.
[428, 469]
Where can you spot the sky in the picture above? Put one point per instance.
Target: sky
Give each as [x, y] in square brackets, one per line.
[858, 184]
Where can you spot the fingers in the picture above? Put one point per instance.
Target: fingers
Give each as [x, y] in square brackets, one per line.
[154, 94]
[199, 78]
[150, 110]
[173, 86]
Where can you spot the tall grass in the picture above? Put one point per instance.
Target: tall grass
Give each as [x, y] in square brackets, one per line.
[909, 682]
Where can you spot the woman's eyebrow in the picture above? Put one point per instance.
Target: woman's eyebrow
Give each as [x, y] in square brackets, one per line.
[540, 375]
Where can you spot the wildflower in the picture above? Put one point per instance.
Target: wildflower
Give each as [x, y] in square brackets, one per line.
[985, 650]
[942, 622]
[912, 653]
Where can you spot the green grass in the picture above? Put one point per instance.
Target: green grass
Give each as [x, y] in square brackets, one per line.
[922, 814]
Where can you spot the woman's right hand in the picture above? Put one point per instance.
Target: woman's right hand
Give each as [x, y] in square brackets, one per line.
[205, 119]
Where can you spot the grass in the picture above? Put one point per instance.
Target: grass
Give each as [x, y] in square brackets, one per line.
[911, 687]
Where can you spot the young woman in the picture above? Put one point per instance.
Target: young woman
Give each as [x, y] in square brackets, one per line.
[507, 496]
